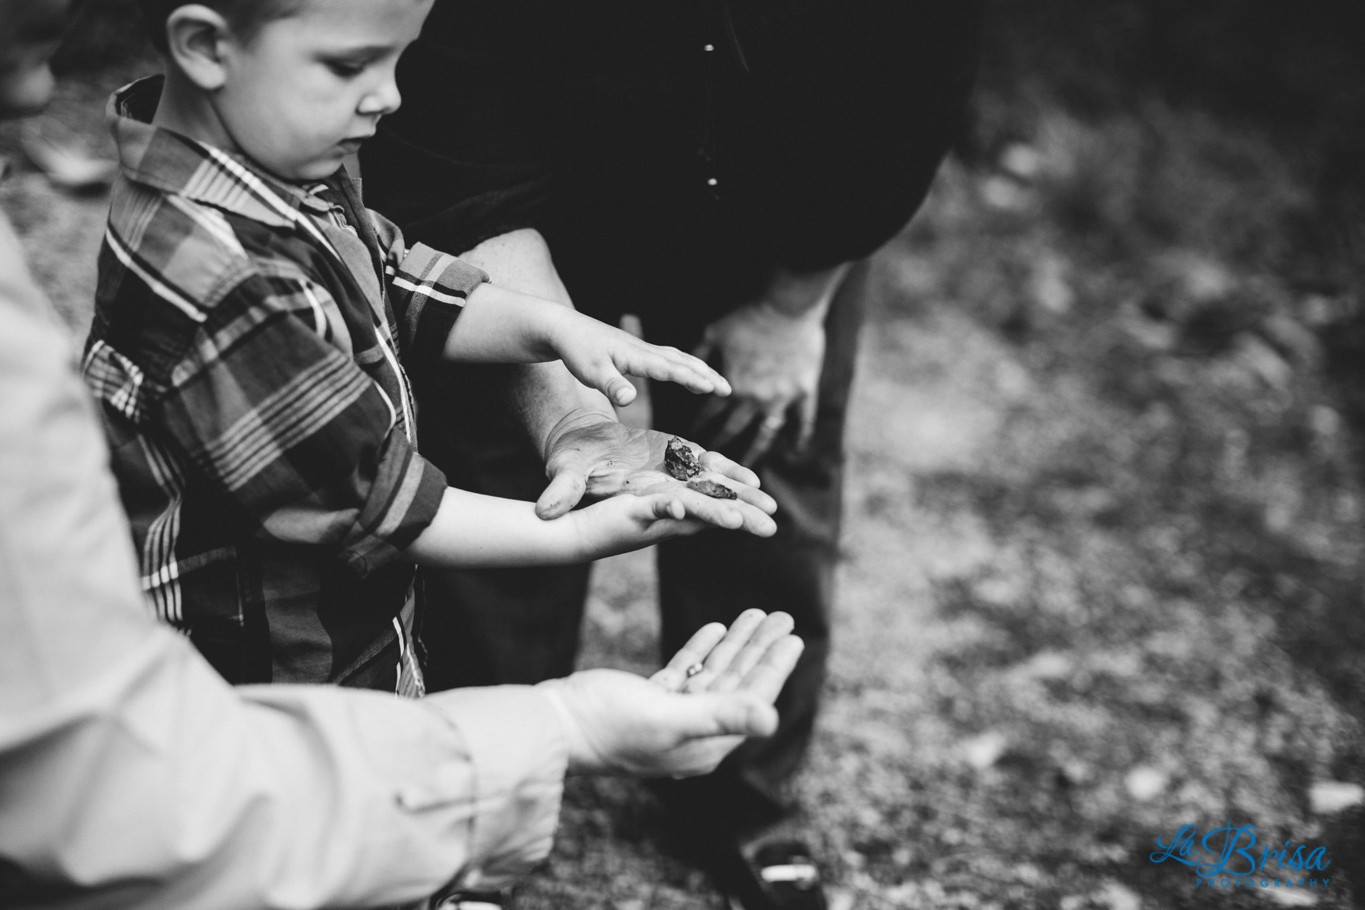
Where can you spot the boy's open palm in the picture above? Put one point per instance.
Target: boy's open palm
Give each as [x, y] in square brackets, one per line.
[621, 523]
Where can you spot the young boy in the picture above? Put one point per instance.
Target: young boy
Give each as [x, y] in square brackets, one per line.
[251, 317]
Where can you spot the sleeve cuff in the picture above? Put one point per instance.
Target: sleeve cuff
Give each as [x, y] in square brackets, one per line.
[403, 503]
[440, 276]
[518, 777]
[430, 288]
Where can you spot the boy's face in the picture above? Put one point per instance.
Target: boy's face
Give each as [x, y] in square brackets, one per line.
[29, 33]
[307, 89]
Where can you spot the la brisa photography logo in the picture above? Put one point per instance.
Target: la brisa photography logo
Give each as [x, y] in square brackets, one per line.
[1232, 856]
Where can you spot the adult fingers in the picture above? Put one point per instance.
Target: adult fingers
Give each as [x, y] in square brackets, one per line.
[711, 411]
[768, 428]
[746, 494]
[718, 661]
[810, 404]
[728, 467]
[731, 514]
[672, 676]
[750, 510]
[769, 675]
[743, 412]
[775, 627]
[756, 498]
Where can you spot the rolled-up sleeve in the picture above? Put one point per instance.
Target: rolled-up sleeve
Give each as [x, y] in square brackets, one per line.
[289, 429]
[427, 289]
[131, 775]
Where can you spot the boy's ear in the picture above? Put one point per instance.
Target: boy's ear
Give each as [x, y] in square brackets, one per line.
[195, 39]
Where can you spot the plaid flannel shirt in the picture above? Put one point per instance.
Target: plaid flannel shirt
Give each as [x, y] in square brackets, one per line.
[245, 354]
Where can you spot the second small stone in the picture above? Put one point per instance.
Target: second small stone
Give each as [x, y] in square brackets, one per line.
[712, 489]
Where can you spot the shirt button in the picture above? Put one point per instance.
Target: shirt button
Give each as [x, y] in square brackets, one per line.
[709, 48]
[711, 181]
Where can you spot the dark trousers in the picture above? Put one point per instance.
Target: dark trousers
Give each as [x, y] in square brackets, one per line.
[521, 625]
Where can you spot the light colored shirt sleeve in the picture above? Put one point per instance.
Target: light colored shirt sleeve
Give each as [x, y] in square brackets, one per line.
[132, 776]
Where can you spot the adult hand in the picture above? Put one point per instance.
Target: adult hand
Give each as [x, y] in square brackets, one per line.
[717, 659]
[588, 453]
[617, 722]
[772, 351]
[773, 361]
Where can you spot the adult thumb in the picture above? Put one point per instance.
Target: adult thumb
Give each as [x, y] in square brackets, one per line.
[726, 714]
[566, 488]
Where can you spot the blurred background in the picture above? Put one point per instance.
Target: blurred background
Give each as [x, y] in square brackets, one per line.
[1103, 568]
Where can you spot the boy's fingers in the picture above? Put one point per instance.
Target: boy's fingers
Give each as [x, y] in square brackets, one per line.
[668, 507]
[688, 372]
[672, 676]
[719, 384]
[603, 374]
[614, 385]
[721, 656]
[774, 628]
[770, 674]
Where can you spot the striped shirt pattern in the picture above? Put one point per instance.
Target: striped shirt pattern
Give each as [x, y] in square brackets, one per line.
[251, 352]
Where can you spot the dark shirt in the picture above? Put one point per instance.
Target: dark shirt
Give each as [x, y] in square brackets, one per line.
[661, 140]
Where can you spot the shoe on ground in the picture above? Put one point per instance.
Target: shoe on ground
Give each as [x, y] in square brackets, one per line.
[777, 875]
[474, 900]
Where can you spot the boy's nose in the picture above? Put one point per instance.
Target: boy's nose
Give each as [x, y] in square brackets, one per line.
[384, 100]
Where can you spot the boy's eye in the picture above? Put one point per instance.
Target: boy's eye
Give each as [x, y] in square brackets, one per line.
[347, 69]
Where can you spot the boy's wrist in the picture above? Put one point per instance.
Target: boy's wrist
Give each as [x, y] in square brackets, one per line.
[578, 536]
[549, 328]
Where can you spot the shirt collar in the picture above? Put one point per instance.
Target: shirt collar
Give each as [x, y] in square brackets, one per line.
[172, 163]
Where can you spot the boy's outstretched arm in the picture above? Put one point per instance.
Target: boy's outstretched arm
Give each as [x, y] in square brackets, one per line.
[448, 307]
[499, 325]
[473, 530]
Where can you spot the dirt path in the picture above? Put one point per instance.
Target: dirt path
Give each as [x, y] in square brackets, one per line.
[1094, 590]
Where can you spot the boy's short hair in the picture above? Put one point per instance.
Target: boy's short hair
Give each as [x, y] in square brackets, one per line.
[245, 17]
